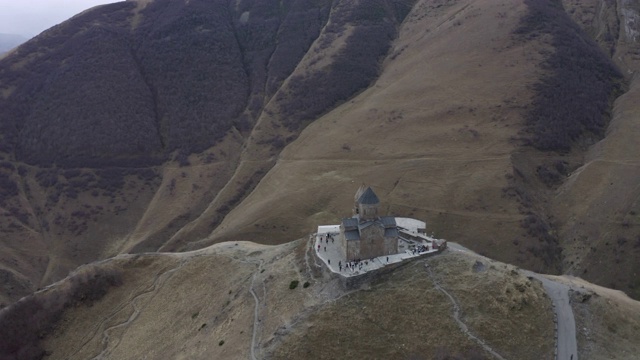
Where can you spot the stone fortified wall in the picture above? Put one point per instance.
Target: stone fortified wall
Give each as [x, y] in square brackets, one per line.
[354, 282]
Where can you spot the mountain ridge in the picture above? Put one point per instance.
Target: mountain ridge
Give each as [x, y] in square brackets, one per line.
[507, 309]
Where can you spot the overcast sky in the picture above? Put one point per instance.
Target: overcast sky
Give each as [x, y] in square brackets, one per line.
[31, 17]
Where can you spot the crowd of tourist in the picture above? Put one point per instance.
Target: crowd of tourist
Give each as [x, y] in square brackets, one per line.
[355, 264]
[328, 239]
[419, 249]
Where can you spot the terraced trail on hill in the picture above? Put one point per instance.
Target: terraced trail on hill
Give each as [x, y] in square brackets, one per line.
[456, 316]
[107, 342]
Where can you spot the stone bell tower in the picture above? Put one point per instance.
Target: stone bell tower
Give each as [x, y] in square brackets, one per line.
[367, 204]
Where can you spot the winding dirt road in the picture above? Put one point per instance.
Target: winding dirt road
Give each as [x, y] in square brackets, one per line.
[567, 346]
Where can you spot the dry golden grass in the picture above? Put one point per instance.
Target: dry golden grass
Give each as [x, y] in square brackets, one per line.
[500, 305]
[402, 316]
[431, 135]
[183, 306]
[186, 306]
[405, 316]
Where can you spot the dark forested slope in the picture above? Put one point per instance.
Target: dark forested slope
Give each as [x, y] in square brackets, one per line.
[125, 82]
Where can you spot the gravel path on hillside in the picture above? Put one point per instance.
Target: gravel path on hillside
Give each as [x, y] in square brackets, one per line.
[256, 310]
[566, 344]
[256, 299]
[456, 316]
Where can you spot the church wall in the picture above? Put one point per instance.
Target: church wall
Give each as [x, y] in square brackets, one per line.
[354, 282]
[372, 242]
[391, 245]
[353, 250]
[343, 243]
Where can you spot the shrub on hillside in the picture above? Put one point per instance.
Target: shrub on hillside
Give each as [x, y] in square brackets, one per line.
[8, 187]
[293, 284]
[548, 248]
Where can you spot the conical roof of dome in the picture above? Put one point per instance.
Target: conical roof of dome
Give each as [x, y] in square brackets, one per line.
[368, 197]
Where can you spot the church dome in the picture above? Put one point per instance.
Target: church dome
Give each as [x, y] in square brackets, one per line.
[368, 197]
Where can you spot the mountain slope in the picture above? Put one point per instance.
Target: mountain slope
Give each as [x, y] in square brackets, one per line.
[470, 158]
[159, 125]
[597, 207]
[430, 134]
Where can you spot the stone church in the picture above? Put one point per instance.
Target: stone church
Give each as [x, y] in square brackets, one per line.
[366, 234]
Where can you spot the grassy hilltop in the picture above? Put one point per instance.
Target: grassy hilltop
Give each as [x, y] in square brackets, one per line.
[178, 306]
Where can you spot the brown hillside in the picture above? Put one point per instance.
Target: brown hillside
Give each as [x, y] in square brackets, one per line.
[157, 125]
[178, 306]
[598, 205]
[431, 135]
[454, 155]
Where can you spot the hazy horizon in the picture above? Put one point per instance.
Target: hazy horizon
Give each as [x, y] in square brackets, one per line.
[33, 17]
